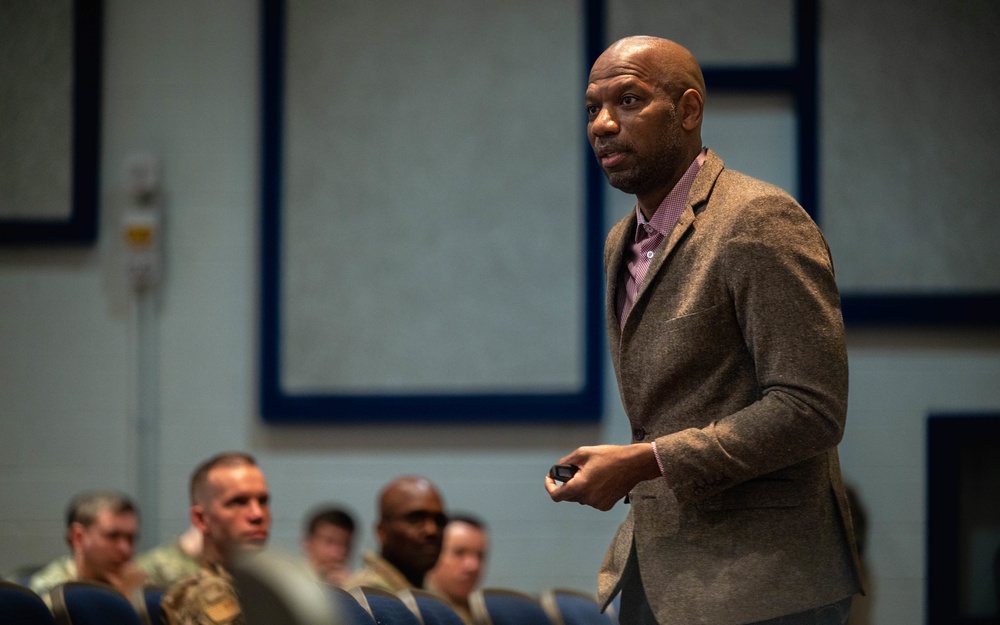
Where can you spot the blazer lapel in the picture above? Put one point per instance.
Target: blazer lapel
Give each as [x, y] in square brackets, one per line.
[701, 188]
[617, 242]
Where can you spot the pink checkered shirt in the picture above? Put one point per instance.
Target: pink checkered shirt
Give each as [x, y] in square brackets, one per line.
[648, 237]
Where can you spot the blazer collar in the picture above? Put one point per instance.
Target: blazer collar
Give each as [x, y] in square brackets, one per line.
[701, 189]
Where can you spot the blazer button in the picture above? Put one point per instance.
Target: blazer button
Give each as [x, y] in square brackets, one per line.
[639, 433]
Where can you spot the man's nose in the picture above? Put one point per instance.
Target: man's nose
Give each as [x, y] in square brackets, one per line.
[604, 124]
[126, 545]
[431, 526]
[255, 510]
[470, 564]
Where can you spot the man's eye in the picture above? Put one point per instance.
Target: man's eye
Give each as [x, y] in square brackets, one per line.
[592, 110]
[629, 99]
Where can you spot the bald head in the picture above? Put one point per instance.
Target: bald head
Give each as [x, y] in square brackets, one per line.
[398, 493]
[671, 66]
[411, 526]
[678, 67]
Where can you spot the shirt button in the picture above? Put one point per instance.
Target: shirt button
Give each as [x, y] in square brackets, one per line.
[649, 254]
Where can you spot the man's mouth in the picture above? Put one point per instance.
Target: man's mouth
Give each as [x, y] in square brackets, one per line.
[610, 159]
[610, 155]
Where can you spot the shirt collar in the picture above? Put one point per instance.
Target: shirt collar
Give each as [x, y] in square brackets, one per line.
[672, 206]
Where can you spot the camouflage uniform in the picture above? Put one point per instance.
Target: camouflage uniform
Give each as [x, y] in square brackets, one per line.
[378, 573]
[166, 565]
[60, 570]
[206, 598]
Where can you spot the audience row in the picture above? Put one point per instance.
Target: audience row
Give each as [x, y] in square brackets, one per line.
[420, 545]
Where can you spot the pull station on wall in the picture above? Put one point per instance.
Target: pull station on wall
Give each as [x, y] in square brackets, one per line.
[142, 229]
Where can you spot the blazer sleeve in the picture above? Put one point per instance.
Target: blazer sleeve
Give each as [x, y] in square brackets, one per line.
[780, 279]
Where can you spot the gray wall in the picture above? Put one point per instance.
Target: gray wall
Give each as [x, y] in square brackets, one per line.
[181, 80]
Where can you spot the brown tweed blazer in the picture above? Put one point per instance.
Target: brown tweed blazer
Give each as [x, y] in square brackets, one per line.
[733, 360]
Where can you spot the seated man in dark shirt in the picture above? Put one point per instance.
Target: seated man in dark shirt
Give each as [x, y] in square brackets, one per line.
[410, 529]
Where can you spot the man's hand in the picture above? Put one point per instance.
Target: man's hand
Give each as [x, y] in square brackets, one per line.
[127, 579]
[607, 473]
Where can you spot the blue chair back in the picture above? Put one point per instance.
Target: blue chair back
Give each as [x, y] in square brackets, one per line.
[351, 612]
[432, 609]
[385, 607]
[571, 607]
[498, 606]
[91, 603]
[20, 606]
[148, 603]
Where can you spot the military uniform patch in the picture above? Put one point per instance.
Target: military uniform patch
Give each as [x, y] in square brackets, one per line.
[205, 599]
[223, 611]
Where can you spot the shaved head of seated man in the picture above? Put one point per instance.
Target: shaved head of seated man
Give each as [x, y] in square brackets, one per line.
[410, 530]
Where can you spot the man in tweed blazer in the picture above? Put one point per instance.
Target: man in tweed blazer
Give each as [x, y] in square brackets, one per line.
[728, 346]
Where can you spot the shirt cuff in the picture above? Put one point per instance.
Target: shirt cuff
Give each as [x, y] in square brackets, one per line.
[659, 462]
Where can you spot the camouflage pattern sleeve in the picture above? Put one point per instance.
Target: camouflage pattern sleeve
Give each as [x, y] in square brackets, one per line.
[166, 565]
[206, 599]
[60, 570]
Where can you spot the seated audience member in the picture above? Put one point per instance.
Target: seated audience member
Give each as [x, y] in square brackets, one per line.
[101, 529]
[461, 564]
[409, 529]
[173, 562]
[229, 506]
[328, 544]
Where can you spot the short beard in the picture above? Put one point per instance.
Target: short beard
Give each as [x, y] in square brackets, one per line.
[657, 170]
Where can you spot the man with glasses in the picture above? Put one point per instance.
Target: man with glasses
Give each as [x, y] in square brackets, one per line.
[410, 530]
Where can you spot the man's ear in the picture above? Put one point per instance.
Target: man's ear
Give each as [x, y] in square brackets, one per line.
[691, 107]
[198, 515]
[74, 535]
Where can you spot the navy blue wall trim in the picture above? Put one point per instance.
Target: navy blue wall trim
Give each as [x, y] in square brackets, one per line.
[800, 81]
[277, 406]
[80, 227]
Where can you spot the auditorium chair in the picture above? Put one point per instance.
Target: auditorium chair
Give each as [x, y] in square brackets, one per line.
[500, 606]
[572, 607]
[432, 609]
[350, 610]
[19, 605]
[384, 606]
[91, 603]
[146, 601]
